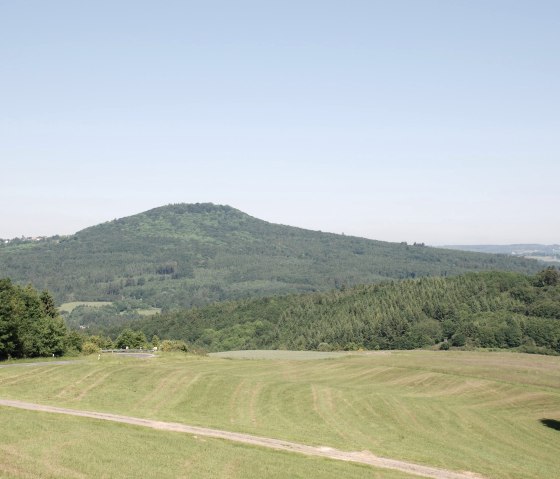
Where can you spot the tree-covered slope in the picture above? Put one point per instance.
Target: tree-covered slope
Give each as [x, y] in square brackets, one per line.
[192, 254]
[489, 309]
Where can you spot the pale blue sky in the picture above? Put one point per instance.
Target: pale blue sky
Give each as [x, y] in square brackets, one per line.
[434, 121]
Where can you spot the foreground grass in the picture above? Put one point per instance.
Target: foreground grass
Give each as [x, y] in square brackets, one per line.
[279, 354]
[459, 410]
[40, 445]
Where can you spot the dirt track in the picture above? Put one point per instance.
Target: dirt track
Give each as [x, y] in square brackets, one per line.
[364, 457]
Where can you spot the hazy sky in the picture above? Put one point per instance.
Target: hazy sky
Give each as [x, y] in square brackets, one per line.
[433, 121]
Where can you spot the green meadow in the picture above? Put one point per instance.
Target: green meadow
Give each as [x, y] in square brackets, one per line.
[41, 445]
[280, 354]
[495, 414]
[69, 307]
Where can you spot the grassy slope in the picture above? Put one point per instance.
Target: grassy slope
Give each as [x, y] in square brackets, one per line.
[40, 445]
[464, 411]
[185, 255]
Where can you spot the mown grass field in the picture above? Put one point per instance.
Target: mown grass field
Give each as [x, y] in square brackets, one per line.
[69, 307]
[279, 354]
[479, 412]
[42, 445]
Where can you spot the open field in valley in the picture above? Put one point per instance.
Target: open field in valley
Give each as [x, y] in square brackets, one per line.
[489, 413]
[69, 307]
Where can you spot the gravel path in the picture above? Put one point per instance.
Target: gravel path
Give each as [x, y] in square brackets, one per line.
[364, 457]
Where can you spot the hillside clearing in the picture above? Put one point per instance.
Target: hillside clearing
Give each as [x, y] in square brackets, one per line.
[69, 307]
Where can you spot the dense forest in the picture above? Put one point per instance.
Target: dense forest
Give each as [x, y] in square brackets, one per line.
[30, 324]
[186, 255]
[488, 309]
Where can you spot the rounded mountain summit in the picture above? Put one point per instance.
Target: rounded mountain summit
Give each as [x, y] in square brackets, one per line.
[185, 255]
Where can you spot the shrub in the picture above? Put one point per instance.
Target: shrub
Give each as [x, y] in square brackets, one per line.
[458, 339]
[168, 345]
[90, 348]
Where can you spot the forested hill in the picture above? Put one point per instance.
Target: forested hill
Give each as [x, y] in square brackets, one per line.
[192, 254]
[489, 309]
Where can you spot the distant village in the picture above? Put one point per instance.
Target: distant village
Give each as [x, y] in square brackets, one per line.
[25, 239]
[546, 253]
[31, 239]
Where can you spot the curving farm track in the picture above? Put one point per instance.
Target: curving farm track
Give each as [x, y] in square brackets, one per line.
[364, 457]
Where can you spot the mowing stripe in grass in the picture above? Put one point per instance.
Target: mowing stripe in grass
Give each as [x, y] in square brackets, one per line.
[41, 363]
[364, 457]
